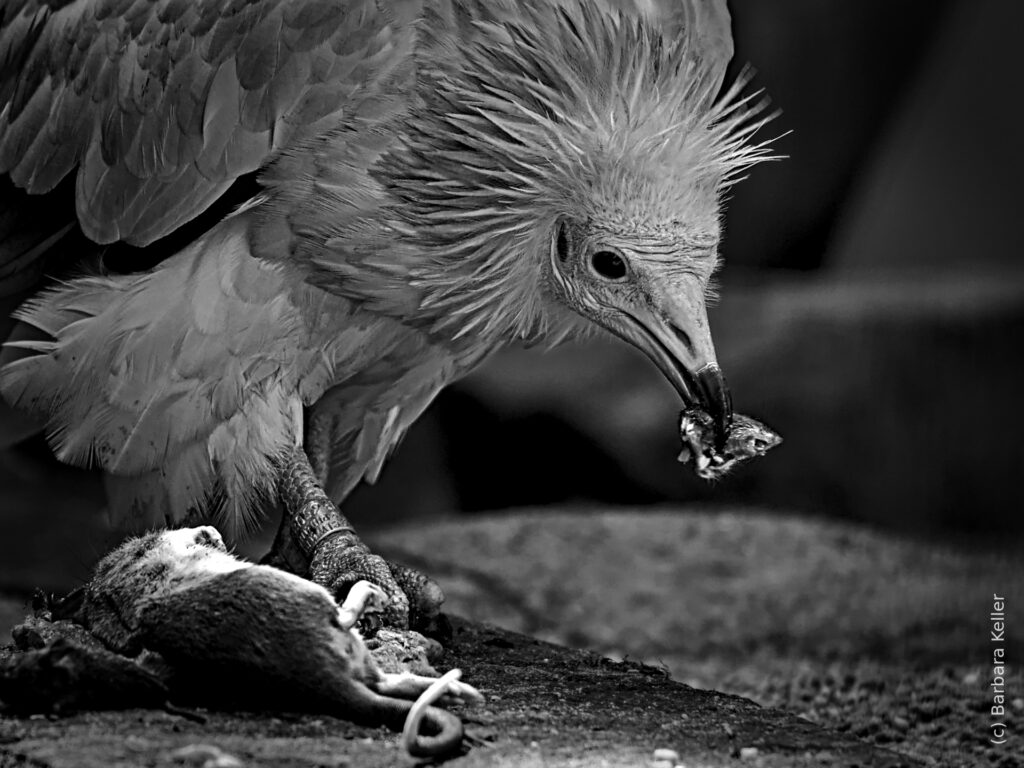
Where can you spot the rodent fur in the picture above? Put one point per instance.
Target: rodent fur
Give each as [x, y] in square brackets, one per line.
[249, 635]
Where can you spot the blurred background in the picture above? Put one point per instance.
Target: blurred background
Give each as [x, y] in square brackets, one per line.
[872, 310]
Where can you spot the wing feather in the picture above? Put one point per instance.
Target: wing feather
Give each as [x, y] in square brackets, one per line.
[157, 106]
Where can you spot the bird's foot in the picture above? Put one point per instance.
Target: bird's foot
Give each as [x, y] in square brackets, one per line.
[316, 541]
[411, 600]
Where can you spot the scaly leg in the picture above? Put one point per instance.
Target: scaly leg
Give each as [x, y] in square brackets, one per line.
[316, 541]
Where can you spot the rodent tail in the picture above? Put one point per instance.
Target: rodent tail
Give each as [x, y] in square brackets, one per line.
[446, 737]
[427, 731]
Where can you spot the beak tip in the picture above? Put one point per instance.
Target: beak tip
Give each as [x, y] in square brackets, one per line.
[715, 398]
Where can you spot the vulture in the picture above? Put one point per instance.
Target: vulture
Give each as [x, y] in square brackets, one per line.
[252, 239]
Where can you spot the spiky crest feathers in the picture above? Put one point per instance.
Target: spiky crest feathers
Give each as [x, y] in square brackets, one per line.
[566, 112]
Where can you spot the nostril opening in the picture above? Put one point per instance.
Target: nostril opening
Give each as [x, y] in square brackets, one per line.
[683, 337]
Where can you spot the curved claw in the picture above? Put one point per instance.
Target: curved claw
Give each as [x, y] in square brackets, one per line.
[425, 599]
[339, 566]
[404, 597]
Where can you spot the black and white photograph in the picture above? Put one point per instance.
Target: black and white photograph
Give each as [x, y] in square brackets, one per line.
[514, 383]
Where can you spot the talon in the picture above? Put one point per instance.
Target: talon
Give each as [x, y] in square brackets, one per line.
[425, 600]
[315, 531]
[339, 565]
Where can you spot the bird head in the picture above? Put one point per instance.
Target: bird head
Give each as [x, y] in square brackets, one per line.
[567, 171]
[651, 290]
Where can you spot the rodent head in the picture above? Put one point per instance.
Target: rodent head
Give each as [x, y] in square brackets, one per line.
[168, 546]
[145, 567]
[184, 541]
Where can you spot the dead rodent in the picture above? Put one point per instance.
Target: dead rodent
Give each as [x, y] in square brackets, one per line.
[253, 635]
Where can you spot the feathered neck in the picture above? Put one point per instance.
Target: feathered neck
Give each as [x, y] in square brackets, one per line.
[570, 111]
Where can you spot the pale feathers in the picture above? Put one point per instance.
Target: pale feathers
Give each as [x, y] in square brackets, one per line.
[558, 109]
[181, 379]
[182, 383]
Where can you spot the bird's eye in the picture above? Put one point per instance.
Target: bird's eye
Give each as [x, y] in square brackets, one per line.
[562, 242]
[608, 265]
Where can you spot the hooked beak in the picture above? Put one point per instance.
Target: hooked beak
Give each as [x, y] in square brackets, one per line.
[676, 336]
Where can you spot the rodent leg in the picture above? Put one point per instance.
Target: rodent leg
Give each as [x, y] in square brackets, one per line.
[405, 685]
[364, 597]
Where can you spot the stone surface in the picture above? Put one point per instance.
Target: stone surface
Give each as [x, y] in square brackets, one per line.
[546, 705]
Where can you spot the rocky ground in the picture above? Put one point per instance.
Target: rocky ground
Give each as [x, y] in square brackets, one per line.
[881, 638]
[883, 642]
[546, 706]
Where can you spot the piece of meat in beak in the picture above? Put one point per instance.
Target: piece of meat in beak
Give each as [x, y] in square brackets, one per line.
[672, 329]
[674, 332]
